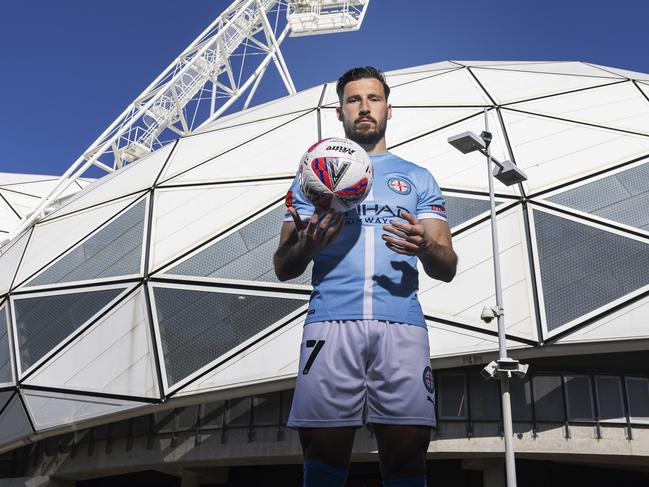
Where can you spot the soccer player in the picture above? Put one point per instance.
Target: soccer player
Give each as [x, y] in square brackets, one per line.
[364, 355]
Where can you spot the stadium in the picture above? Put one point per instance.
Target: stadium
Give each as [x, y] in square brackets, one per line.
[146, 340]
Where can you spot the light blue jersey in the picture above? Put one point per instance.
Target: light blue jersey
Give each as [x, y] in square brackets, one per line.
[357, 277]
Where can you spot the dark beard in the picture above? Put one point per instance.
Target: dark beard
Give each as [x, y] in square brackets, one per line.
[367, 138]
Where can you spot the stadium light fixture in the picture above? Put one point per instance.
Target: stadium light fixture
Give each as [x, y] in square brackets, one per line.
[506, 172]
[505, 367]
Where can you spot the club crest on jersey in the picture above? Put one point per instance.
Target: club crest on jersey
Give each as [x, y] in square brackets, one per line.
[399, 185]
[429, 381]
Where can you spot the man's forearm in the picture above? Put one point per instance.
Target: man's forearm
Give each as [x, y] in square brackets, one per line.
[439, 262]
[290, 261]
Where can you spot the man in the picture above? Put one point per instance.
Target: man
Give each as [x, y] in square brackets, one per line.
[365, 352]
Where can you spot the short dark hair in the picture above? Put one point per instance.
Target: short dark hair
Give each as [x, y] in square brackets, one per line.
[362, 72]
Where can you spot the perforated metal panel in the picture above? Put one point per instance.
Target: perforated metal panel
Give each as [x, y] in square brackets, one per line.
[461, 209]
[14, 423]
[197, 327]
[43, 321]
[245, 254]
[548, 398]
[115, 250]
[5, 356]
[622, 197]
[584, 268]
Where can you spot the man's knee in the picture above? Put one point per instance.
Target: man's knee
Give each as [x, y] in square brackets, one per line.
[332, 446]
[402, 449]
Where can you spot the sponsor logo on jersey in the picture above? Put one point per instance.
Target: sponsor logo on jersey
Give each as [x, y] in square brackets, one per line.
[376, 213]
[289, 199]
[429, 381]
[438, 209]
[341, 148]
[399, 185]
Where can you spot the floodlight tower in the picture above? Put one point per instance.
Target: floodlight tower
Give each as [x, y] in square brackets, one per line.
[208, 77]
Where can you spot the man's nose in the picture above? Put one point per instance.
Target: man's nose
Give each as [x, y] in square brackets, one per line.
[364, 107]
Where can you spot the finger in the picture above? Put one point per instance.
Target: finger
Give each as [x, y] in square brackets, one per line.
[335, 228]
[401, 243]
[397, 249]
[329, 216]
[312, 227]
[407, 228]
[410, 218]
[396, 231]
[299, 224]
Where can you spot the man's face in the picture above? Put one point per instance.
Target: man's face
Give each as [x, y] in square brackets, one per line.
[364, 111]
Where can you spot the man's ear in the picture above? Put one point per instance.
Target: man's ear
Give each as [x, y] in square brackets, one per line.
[389, 111]
[339, 113]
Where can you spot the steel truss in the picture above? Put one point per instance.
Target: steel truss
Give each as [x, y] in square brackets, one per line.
[227, 59]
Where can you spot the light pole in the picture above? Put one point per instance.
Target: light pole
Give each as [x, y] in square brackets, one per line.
[507, 173]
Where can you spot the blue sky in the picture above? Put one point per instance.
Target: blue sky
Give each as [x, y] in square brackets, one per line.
[69, 67]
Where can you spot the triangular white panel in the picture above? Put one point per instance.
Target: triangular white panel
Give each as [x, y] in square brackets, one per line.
[406, 123]
[426, 68]
[9, 220]
[50, 239]
[451, 168]
[10, 178]
[618, 106]
[499, 63]
[4, 397]
[301, 101]
[132, 178]
[644, 88]
[196, 149]
[184, 218]
[51, 409]
[626, 73]
[568, 68]
[631, 322]
[39, 187]
[553, 151]
[511, 86]
[275, 154]
[9, 259]
[114, 356]
[399, 79]
[450, 88]
[448, 340]
[260, 363]
[473, 287]
[21, 203]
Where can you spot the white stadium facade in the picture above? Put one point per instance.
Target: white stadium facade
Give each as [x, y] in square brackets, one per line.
[146, 340]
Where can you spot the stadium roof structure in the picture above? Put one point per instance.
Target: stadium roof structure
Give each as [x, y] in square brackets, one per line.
[155, 283]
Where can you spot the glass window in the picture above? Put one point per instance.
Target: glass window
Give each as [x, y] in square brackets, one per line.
[287, 401]
[608, 390]
[548, 398]
[520, 393]
[485, 398]
[452, 396]
[580, 398]
[213, 414]
[637, 389]
[238, 413]
[266, 409]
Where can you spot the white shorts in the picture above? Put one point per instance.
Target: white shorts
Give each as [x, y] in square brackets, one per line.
[352, 372]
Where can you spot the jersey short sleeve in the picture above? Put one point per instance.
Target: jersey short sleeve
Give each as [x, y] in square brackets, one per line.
[295, 198]
[430, 202]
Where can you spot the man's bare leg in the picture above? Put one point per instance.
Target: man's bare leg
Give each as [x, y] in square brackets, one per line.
[332, 446]
[402, 450]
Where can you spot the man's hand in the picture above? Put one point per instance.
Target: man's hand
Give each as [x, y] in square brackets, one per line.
[314, 236]
[412, 236]
[429, 240]
[300, 241]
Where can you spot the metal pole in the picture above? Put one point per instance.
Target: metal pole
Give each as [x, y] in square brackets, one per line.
[510, 462]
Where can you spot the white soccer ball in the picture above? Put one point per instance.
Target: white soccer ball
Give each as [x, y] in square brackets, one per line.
[336, 172]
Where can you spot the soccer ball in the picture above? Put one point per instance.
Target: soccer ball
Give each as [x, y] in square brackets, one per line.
[335, 172]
